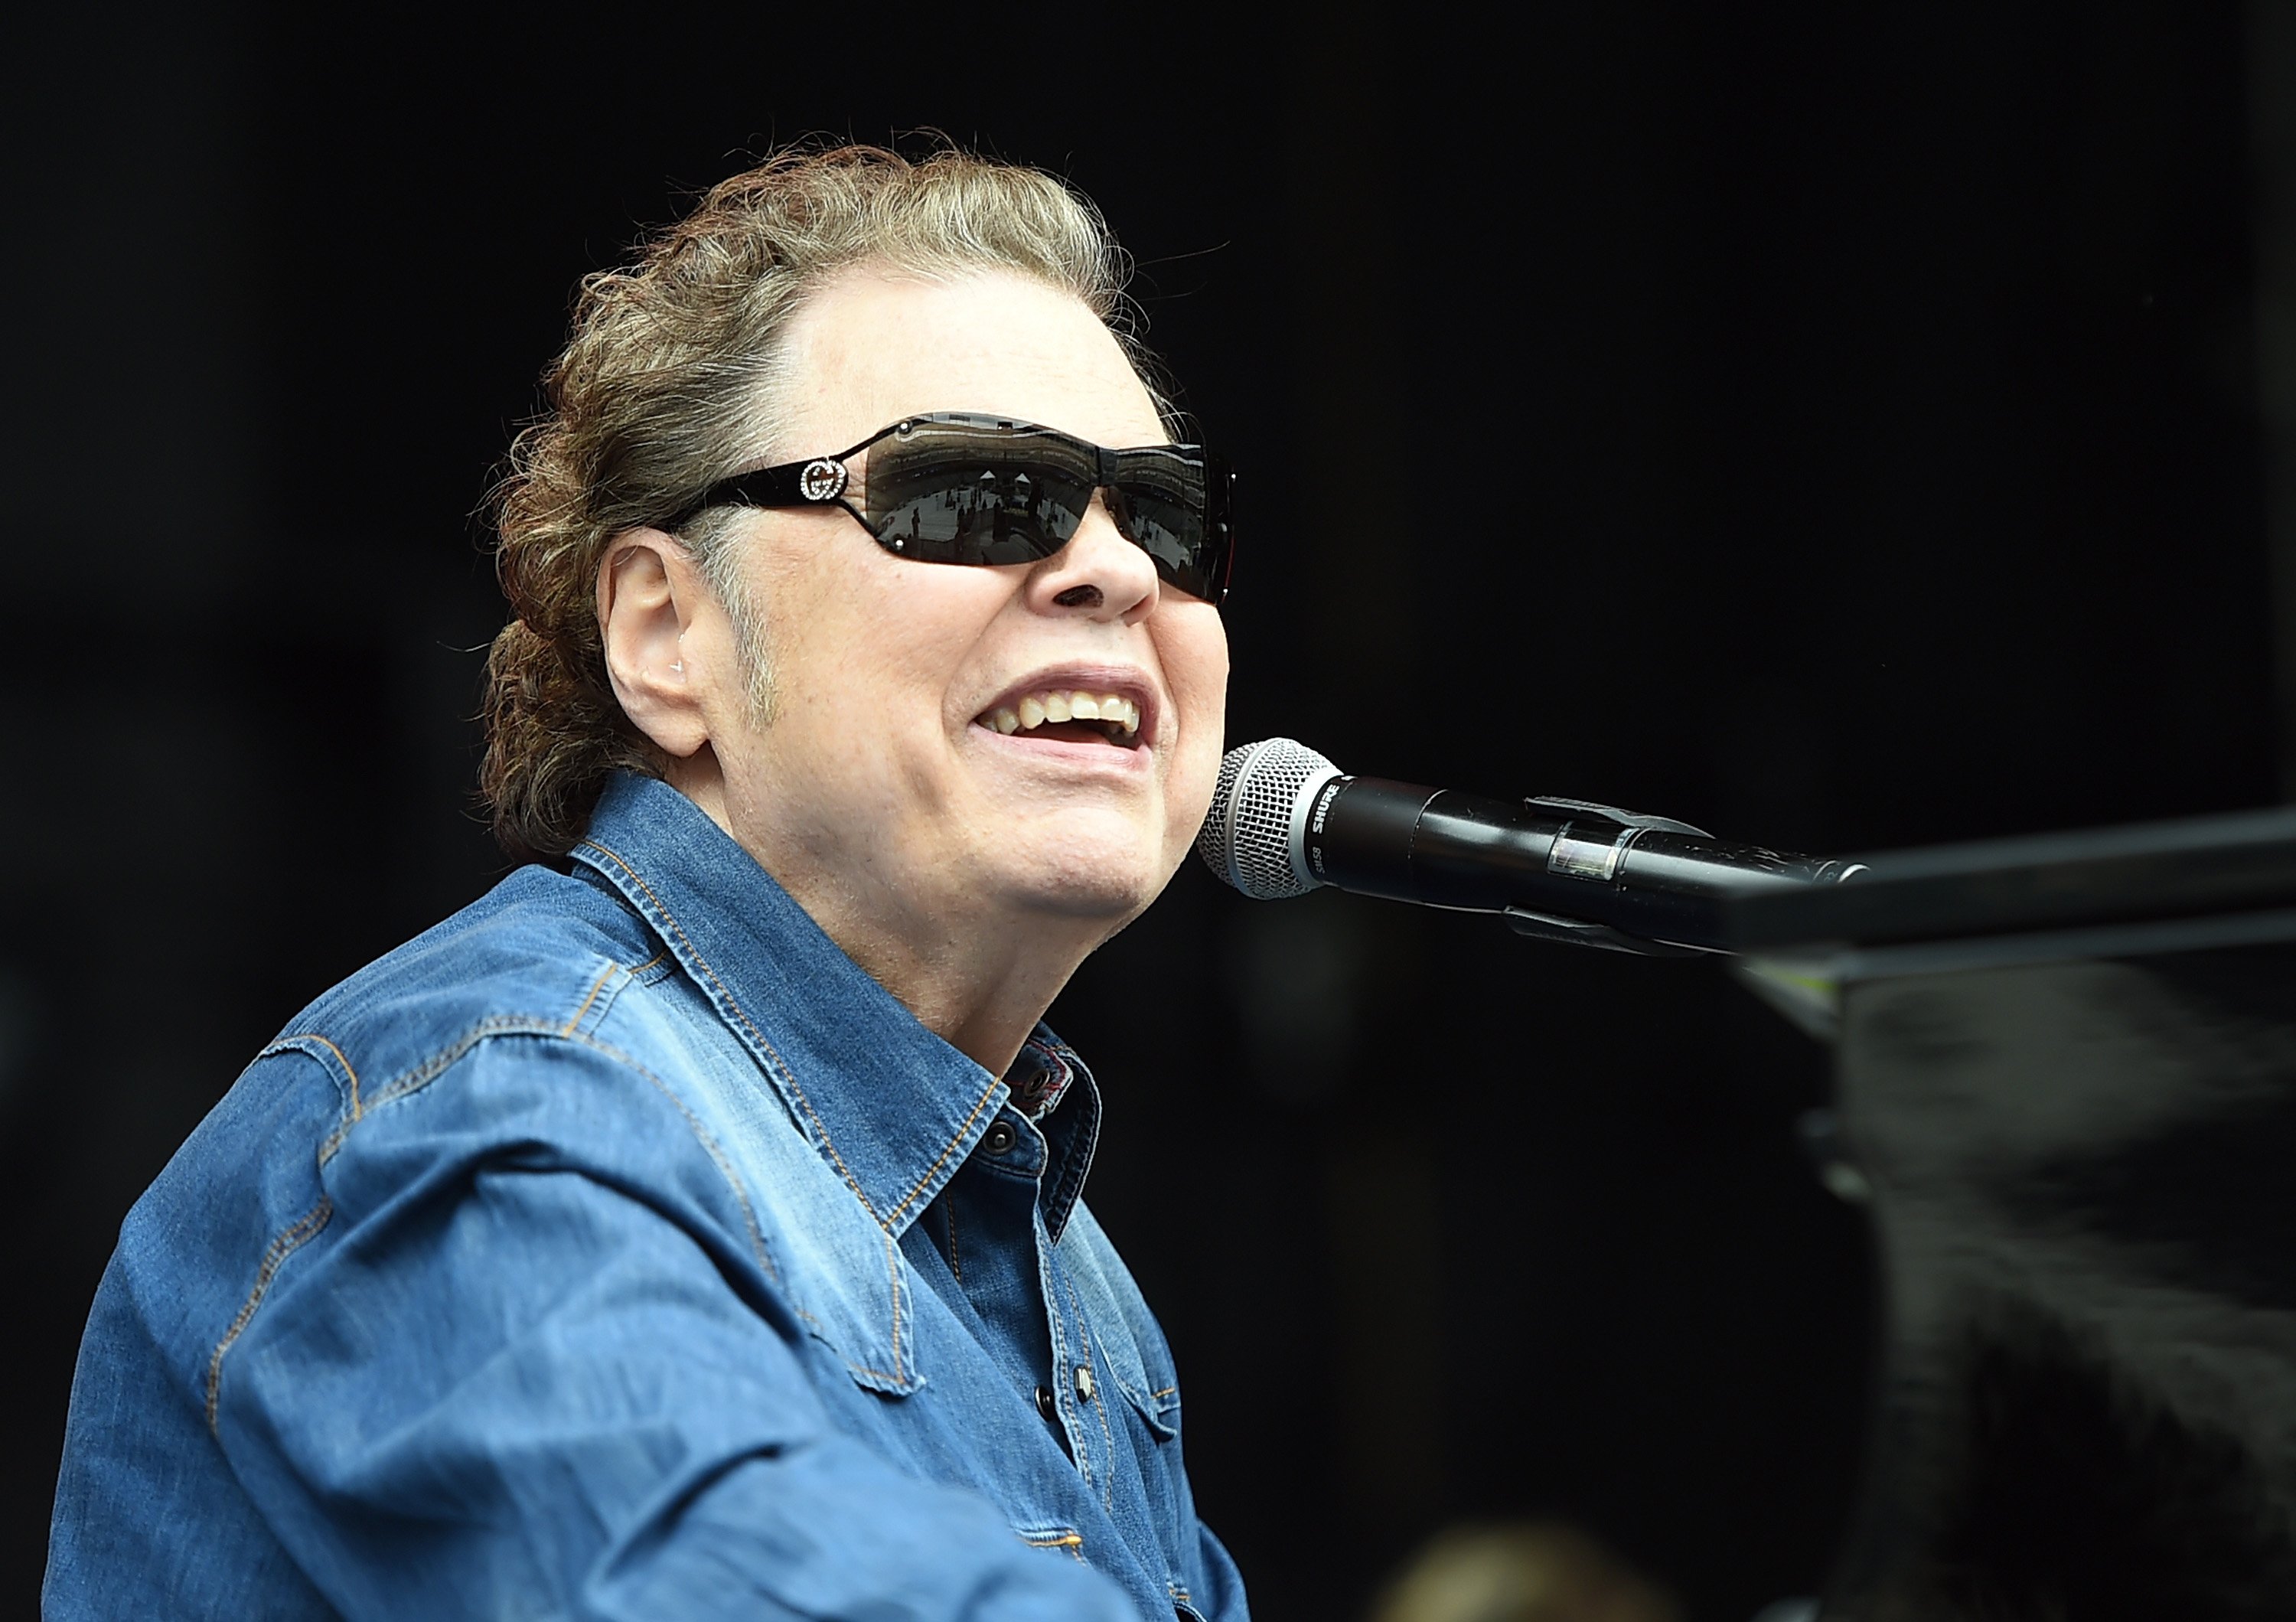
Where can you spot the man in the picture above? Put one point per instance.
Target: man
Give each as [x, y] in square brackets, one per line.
[691, 1228]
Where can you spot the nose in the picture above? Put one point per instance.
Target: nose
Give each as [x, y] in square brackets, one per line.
[1098, 573]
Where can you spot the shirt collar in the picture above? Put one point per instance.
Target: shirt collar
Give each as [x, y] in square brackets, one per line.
[1045, 1075]
[889, 1104]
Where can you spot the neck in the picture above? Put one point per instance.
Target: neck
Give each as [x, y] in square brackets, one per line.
[977, 975]
[979, 983]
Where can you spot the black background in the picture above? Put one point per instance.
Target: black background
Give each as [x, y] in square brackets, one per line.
[1835, 426]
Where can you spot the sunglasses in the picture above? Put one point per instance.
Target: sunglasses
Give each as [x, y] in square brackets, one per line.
[949, 487]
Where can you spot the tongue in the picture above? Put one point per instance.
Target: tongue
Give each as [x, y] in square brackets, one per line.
[1067, 731]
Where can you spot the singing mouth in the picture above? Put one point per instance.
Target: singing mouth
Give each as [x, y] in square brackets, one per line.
[1070, 716]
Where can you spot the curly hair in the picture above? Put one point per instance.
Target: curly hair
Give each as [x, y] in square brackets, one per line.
[669, 382]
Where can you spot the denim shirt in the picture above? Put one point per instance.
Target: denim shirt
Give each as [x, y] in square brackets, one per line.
[620, 1248]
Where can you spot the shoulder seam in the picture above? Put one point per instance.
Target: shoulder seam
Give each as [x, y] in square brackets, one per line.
[515, 1025]
[309, 1225]
[437, 1064]
[612, 981]
[702, 1134]
[285, 1246]
[294, 1044]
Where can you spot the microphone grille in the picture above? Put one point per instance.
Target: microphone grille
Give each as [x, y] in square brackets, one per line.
[1252, 839]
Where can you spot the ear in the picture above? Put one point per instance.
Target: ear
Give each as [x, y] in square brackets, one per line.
[658, 619]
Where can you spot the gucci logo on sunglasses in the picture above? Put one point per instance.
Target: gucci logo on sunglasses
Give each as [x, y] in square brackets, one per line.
[952, 487]
[821, 479]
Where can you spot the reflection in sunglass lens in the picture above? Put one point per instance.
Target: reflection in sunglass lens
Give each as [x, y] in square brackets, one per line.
[1158, 502]
[950, 496]
[985, 491]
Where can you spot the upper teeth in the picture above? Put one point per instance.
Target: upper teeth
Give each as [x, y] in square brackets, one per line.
[1039, 708]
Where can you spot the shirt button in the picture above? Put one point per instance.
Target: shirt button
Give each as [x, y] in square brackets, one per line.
[1045, 1405]
[1083, 1381]
[999, 1138]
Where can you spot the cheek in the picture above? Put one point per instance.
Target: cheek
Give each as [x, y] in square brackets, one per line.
[1193, 652]
[1194, 658]
[886, 637]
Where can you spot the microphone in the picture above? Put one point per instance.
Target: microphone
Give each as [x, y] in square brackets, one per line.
[1285, 821]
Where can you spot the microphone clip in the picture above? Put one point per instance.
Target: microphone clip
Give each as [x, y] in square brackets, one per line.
[1625, 819]
[1577, 932]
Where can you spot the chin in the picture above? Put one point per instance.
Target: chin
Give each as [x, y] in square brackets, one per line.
[1102, 896]
[1087, 883]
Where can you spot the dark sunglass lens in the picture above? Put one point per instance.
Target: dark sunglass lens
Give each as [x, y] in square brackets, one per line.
[1159, 502]
[955, 493]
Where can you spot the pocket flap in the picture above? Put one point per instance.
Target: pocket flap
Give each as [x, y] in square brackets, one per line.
[1161, 1408]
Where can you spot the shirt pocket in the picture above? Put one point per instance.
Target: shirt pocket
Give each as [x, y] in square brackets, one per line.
[1159, 1410]
[1150, 1415]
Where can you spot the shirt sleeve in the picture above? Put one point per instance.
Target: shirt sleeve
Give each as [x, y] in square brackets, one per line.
[535, 1369]
[1221, 1598]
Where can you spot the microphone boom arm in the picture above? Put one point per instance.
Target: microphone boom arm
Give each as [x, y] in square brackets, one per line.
[1562, 870]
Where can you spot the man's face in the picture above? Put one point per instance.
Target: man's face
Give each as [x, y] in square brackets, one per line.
[879, 780]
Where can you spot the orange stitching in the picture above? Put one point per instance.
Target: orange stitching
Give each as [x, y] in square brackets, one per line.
[897, 1377]
[749, 1216]
[944, 1153]
[428, 1072]
[280, 1250]
[1167, 1391]
[514, 1025]
[1100, 1402]
[893, 1282]
[312, 1035]
[780, 1063]
[1100, 1412]
[287, 1243]
[858, 1368]
[1065, 1396]
[709, 1145]
[507, 1026]
[596, 985]
[1073, 1542]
